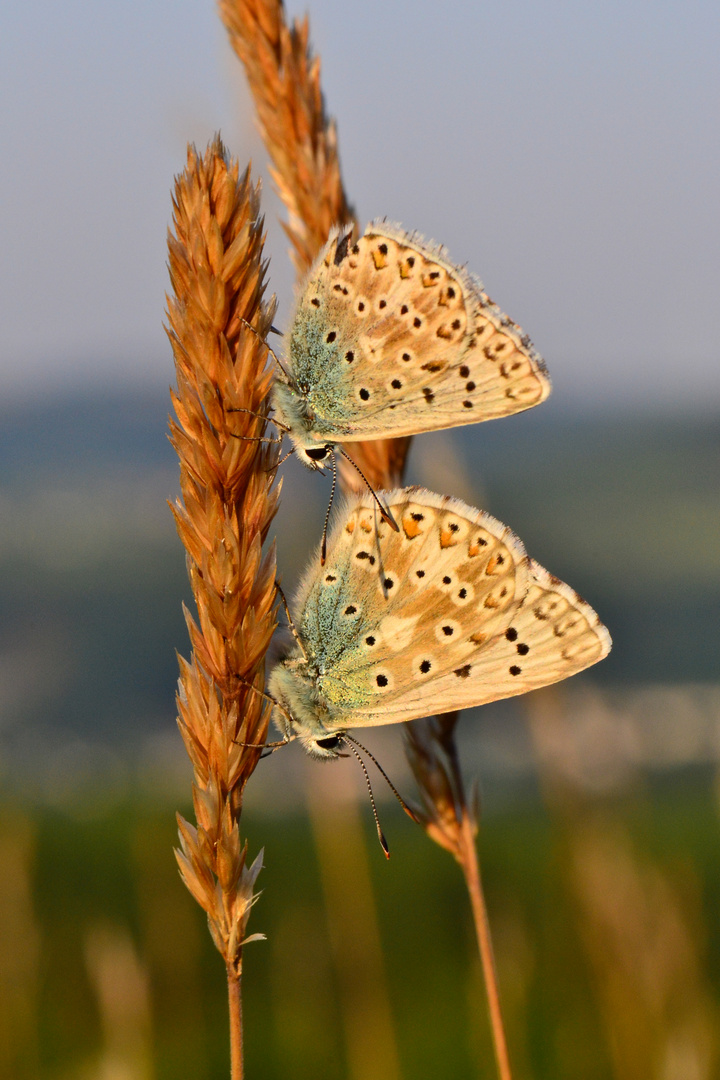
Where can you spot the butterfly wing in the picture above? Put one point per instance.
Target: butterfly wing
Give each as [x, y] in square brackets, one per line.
[390, 339]
[552, 635]
[388, 609]
[482, 622]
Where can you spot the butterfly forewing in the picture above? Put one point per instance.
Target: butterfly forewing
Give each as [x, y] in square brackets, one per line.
[390, 338]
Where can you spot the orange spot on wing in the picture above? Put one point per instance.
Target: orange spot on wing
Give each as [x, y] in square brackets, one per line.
[365, 525]
[474, 549]
[447, 538]
[410, 528]
[491, 602]
[478, 638]
[350, 527]
[492, 563]
[379, 259]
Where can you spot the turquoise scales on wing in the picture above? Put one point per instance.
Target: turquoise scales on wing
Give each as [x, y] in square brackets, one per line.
[447, 613]
[389, 338]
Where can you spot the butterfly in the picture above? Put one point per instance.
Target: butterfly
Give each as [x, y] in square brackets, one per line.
[447, 613]
[389, 338]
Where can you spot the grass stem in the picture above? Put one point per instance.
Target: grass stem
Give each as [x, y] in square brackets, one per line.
[468, 858]
[234, 978]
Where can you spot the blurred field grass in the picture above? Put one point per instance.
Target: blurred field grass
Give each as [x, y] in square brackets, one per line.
[111, 873]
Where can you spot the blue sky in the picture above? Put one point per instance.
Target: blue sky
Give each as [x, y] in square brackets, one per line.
[568, 152]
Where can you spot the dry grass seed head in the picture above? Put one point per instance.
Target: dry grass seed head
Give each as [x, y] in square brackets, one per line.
[217, 273]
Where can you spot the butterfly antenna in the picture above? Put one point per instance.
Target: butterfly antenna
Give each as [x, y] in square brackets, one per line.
[269, 349]
[383, 510]
[381, 836]
[411, 813]
[323, 546]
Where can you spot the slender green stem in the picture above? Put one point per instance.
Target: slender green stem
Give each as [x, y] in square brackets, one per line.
[234, 977]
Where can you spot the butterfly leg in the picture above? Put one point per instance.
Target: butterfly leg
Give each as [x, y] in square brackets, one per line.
[256, 438]
[291, 624]
[250, 327]
[261, 416]
[276, 703]
[282, 459]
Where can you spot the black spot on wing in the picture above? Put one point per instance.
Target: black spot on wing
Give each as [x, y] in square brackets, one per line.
[341, 248]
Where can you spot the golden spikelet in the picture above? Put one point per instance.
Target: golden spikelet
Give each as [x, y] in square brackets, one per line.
[284, 78]
[218, 283]
[432, 754]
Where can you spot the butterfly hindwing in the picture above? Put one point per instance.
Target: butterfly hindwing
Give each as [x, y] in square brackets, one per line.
[552, 635]
[448, 613]
[389, 338]
[389, 608]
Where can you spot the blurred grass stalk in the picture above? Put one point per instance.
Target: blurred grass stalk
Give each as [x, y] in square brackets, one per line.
[284, 79]
[21, 969]
[227, 468]
[450, 818]
[122, 987]
[640, 924]
[344, 863]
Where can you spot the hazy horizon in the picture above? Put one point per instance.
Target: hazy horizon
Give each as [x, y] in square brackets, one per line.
[567, 153]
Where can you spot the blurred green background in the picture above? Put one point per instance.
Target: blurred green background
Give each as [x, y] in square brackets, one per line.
[599, 838]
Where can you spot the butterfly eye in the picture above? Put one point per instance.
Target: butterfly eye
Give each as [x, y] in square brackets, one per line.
[317, 453]
[331, 743]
